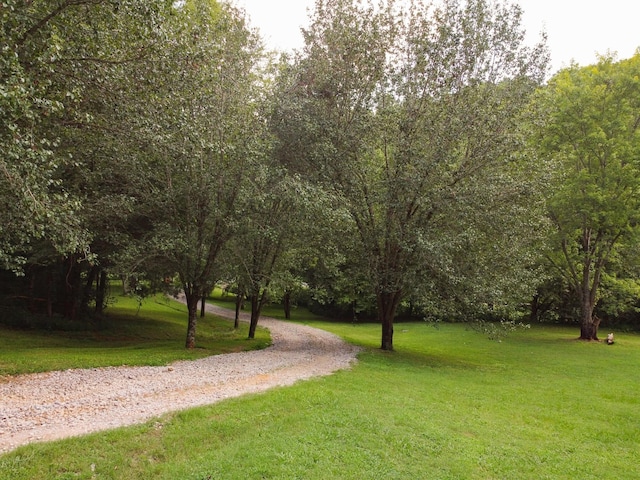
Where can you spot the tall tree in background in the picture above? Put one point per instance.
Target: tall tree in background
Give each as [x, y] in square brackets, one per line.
[126, 128]
[34, 203]
[592, 139]
[68, 187]
[109, 48]
[410, 120]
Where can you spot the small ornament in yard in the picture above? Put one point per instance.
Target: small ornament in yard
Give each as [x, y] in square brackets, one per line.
[610, 339]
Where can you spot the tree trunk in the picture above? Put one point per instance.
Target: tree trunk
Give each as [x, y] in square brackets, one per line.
[101, 289]
[255, 315]
[239, 300]
[88, 293]
[72, 290]
[590, 323]
[534, 310]
[192, 307]
[257, 302]
[287, 305]
[587, 294]
[203, 305]
[387, 304]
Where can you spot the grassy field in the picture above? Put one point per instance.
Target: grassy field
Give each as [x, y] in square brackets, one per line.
[150, 334]
[227, 300]
[448, 404]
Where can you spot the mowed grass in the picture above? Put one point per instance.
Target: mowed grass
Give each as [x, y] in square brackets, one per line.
[149, 334]
[228, 300]
[447, 404]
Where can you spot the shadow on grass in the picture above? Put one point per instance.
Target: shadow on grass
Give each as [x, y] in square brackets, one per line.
[151, 335]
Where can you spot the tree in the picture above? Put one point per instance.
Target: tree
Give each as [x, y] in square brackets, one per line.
[591, 138]
[203, 130]
[267, 232]
[410, 119]
[108, 49]
[34, 203]
[69, 185]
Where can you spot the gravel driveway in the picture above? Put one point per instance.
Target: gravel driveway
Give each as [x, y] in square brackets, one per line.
[54, 405]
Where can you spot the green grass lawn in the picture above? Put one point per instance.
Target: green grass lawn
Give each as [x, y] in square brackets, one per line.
[151, 334]
[448, 404]
[227, 300]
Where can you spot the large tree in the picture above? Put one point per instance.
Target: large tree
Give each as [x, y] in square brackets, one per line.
[591, 140]
[204, 130]
[34, 203]
[69, 182]
[410, 119]
[109, 49]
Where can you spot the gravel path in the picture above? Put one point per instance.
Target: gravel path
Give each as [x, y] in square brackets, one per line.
[54, 405]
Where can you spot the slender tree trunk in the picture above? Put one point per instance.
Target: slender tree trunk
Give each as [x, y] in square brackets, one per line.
[88, 287]
[287, 305]
[203, 305]
[255, 315]
[192, 307]
[387, 304]
[101, 289]
[587, 293]
[84, 295]
[534, 315]
[72, 289]
[257, 302]
[239, 300]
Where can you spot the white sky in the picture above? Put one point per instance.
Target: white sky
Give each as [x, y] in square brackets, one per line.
[577, 29]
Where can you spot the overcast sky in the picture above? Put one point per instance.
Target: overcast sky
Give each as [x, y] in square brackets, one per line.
[576, 29]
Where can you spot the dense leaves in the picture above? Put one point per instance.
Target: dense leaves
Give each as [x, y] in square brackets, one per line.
[410, 118]
[204, 145]
[592, 136]
[127, 124]
[384, 168]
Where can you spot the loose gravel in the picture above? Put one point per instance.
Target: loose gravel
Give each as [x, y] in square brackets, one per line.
[54, 405]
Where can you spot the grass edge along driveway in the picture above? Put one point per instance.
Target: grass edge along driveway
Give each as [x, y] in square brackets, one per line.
[448, 404]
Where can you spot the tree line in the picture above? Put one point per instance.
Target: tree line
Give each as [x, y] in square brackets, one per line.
[408, 160]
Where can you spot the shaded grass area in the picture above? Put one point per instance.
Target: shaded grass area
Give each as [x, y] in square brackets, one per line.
[448, 404]
[227, 300]
[149, 334]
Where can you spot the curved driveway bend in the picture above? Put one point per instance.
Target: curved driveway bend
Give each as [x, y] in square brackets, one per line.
[54, 405]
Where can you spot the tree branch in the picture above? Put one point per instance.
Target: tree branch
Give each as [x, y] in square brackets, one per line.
[43, 21]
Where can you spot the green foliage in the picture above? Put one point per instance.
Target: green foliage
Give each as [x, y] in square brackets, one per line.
[70, 185]
[591, 136]
[619, 296]
[498, 331]
[138, 139]
[125, 128]
[449, 404]
[411, 120]
[227, 300]
[203, 131]
[33, 203]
